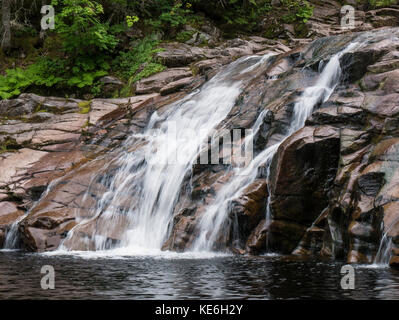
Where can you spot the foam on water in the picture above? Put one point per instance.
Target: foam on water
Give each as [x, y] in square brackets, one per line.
[137, 253]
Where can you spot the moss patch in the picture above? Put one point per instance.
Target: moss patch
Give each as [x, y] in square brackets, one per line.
[84, 107]
[8, 145]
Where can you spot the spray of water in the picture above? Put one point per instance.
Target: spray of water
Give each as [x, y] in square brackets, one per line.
[12, 239]
[152, 176]
[216, 214]
[384, 252]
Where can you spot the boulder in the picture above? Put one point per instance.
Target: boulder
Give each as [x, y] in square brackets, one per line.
[9, 213]
[17, 107]
[301, 174]
[111, 86]
[249, 208]
[175, 86]
[179, 55]
[158, 81]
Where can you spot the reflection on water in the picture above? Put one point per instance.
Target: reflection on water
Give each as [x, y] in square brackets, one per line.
[226, 277]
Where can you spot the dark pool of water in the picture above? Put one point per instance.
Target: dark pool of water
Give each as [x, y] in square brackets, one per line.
[217, 278]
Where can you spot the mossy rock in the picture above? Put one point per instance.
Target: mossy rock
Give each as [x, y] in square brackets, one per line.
[8, 144]
[301, 30]
[84, 107]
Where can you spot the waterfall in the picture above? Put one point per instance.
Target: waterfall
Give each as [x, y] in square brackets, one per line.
[152, 165]
[12, 238]
[215, 215]
[384, 252]
[151, 177]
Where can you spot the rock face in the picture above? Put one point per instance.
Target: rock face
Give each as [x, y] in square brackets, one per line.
[332, 184]
[187, 64]
[111, 86]
[332, 187]
[45, 139]
[301, 175]
[362, 200]
[158, 81]
[48, 140]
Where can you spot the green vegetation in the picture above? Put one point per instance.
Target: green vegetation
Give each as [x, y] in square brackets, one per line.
[382, 3]
[94, 38]
[80, 29]
[54, 73]
[138, 62]
[373, 4]
[8, 145]
[299, 11]
[84, 107]
[84, 45]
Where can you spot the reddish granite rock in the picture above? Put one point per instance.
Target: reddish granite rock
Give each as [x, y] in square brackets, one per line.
[301, 173]
[156, 82]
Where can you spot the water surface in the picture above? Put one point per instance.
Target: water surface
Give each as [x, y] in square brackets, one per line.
[183, 277]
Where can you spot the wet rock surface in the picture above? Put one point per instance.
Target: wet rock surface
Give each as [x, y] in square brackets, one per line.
[185, 62]
[332, 188]
[46, 139]
[331, 183]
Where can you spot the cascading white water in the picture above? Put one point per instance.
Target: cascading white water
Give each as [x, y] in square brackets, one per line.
[384, 252]
[215, 215]
[154, 176]
[12, 238]
[155, 172]
[162, 180]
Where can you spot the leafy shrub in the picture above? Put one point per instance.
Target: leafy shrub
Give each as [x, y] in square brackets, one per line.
[79, 27]
[51, 73]
[176, 16]
[12, 84]
[141, 56]
[185, 36]
[243, 15]
[381, 3]
[299, 10]
[85, 42]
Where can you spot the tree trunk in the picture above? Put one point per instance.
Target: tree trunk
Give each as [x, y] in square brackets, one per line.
[6, 25]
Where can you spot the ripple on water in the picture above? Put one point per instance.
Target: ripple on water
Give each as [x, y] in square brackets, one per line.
[166, 275]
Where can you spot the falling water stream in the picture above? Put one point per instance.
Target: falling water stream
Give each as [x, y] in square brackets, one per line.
[155, 176]
[12, 238]
[132, 200]
[216, 214]
[384, 252]
[151, 177]
[154, 173]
